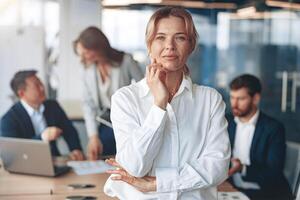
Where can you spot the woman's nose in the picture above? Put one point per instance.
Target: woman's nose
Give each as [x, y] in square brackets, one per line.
[170, 44]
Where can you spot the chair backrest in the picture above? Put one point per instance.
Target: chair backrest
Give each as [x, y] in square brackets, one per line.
[292, 165]
[296, 192]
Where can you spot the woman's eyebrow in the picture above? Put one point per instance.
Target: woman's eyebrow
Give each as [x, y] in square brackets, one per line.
[160, 33]
[179, 33]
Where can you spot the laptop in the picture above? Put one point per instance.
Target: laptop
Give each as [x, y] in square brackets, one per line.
[28, 156]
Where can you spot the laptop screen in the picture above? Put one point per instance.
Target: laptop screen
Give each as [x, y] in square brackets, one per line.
[26, 156]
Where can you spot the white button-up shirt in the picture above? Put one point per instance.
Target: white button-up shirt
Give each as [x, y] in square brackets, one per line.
[242, 145]
[186, 147]
[36, 116]
[243, 138]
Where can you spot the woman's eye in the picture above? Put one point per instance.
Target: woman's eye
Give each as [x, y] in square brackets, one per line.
[180, 38]
[160, 37]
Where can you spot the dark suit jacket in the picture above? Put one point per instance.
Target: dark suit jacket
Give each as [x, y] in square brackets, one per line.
[17, 123]
[267, 156]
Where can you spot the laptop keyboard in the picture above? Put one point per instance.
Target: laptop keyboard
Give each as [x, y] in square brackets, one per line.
[61, 169]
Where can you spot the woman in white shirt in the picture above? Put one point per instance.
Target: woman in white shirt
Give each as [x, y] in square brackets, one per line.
[106, 70]
[171, 134]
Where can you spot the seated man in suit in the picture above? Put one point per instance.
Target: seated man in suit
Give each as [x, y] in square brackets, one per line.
[34, 117]
[257, 142]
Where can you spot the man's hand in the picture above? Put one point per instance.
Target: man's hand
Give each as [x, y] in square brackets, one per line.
[76, 155]
[236, 166]
[144, 184]
[51, 133]
[94, 148]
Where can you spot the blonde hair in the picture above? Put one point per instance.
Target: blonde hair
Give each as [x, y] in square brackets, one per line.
[168, 11]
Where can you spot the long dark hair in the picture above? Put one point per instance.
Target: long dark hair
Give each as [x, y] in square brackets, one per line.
[93, 38]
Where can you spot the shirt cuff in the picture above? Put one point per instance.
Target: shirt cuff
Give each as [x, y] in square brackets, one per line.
[157, 114]
[92, 128]
[155, 118]
[166, 179]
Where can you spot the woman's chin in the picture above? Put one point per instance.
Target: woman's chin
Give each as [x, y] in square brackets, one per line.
[171, 68]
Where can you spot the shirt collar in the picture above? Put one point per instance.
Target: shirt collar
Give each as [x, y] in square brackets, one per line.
[30, 110]
[144, 90]
[252, 121]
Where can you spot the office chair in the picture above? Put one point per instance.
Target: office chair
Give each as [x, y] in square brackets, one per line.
[296, 190]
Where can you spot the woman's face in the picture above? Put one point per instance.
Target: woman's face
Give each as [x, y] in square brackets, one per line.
[171, 46]
[87, 56]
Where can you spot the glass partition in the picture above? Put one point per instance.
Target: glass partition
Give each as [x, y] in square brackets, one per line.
[265, 44]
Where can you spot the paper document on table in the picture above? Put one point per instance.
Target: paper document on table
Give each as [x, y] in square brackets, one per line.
[232, 196]
[89, 167]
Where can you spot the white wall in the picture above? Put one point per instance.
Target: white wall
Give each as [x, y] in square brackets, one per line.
[75, 15]
[26, 49]
[19, 49]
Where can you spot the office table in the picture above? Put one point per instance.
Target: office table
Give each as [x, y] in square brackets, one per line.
[17, 186]
[28, 187]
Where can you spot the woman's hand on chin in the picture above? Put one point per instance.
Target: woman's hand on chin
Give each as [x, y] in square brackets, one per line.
[155, 76]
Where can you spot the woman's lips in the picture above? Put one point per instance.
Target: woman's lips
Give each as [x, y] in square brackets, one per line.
[171, 57]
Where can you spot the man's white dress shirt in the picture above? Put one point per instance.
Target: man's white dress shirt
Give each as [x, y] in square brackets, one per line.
[36, 116]
[242, 145]
[186, 147]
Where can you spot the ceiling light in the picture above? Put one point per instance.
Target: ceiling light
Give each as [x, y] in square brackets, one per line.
[282, 4]
[247, 11]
